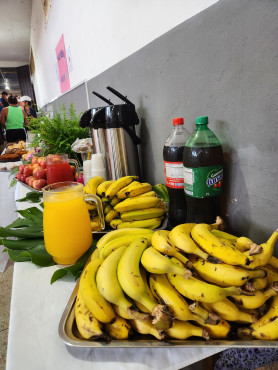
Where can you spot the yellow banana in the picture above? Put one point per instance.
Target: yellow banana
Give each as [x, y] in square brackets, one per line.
[183, 330]
[107, 209]
[201, 233]
[119, 329]
[93, 299]
[142, 214]
[101, 189]
[168, 295]
[256, 284]
[218, 331]
[91, 207]
[223, 274]
[111, 215]
[162, 243]
[262, 258]
[223, 234]
[142, 188]
[122, 241]
[147, 327]
[157, 263]
[148, 194]
[132, 204]
[151, 223]
[198, 290]
[105, 201]
[109, 287]
[115, 223]
[133, 284]
[273, 262]
[114, 201]
[272, 274]
[181, 239]
[87, 325]
[266, 328]
[208, 316]
[95, 254]
[121, 312]
[93, 183]
[141, 307]
[96, 224]
[123, 193]
[227, 310]
[118, 185]
[117, 233]
[256, 300]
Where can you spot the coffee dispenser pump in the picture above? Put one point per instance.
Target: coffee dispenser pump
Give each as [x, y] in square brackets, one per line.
[114, 136]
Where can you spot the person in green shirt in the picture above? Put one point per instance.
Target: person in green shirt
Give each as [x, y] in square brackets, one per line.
[13, 119]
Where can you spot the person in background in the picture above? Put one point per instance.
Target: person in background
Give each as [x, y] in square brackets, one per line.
[25, 102]
[3, 103]
[12, 118]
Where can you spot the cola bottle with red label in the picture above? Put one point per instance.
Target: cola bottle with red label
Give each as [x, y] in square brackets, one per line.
[173, 166]
[203, 174]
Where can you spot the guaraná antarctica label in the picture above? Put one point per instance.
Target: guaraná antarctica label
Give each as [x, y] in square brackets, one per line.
[203, 182]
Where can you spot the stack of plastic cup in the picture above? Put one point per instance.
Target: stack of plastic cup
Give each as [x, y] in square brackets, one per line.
[86, 170]
[98, 166]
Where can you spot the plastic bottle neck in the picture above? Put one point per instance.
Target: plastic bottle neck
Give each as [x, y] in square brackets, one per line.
[202, 127]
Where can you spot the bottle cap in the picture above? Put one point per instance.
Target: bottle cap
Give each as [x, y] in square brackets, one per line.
[178, 121]
[203, 120]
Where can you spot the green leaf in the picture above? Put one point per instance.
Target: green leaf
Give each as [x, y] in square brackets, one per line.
[75, 270]
[32, 196]
[31, 232]
[13, 183]
[22, 244]
[20, 222]
[37, 255]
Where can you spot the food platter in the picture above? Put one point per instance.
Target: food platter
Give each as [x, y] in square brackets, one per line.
[68, 333]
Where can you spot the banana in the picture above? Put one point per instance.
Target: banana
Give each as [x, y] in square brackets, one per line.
[161, 191]
[109, 287]
[227, 310]
[95, 254]
[223, 274]
[148, 194]
[141, 307]
[208, 316]
[87, 325]
[96, 224]
[272, 274]
[121, 312]
[147, 327]
[181, 239]
[114, 201]
[101, 189]
[132, 204]
[133, 284]
[105, 200]
[262, 258]
[198, 290]
[218, 331]
[142, 188]
[107, 209]
[167, 294]
[224, 235]
[266, 328]
[157, 263]
[117, 185]
[162, 243]
[115, 223]
[92, 184]
[142, 214]
[183, 330]
[273, 262]
[111, 215]
[213, 246]
[91, 207]
[151, 223]
[122, 241]
[257, 299]
[96, 303]
[123, 193]
[119, 329]
[117, 233]
[256, 284]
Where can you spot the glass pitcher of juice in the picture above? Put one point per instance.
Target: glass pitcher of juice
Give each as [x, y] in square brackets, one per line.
[66, 221]
[58, 168]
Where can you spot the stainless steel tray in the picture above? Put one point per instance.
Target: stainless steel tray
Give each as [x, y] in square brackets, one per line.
[68, 333]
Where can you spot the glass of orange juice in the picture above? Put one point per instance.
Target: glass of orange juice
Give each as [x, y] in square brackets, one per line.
[66, 221]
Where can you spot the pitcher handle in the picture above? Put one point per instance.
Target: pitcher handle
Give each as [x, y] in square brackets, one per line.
[74, 161]
[97, 201]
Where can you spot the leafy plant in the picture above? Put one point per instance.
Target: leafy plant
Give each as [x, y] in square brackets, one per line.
[56, 135]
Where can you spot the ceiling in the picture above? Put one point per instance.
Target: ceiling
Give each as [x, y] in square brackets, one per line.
[14, 41]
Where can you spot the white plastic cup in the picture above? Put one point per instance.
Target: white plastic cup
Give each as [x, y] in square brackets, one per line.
[98, 167]
[87, 168]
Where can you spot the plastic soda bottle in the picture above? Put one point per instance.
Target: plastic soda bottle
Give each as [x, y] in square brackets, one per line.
[173, 166]
[203, 174]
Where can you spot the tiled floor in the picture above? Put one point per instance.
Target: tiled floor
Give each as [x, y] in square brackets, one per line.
[5, 298]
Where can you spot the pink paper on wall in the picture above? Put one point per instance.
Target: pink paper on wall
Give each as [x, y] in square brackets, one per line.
[62, 65]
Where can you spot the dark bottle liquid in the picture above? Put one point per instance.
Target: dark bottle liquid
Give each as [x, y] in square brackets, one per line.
[203, 174]
[203, 210]
[177, 202]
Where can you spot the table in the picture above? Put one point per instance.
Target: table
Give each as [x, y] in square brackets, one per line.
[34, 343]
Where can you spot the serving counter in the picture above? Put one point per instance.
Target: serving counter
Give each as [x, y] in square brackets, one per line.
[34, 342]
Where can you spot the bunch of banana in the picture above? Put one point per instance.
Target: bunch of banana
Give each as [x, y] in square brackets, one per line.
[159, 282]
[127, 203]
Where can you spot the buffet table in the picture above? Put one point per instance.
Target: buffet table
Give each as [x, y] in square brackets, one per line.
[36, 310]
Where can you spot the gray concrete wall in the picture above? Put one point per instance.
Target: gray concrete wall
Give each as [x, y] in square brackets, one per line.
[222, 63]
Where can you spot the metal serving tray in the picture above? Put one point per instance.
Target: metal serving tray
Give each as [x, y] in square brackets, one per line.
[69, 334]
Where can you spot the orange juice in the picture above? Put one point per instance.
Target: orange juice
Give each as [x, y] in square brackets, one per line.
[66, 222]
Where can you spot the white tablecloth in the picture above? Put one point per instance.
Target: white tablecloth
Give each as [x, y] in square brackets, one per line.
[34, 343]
